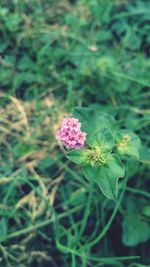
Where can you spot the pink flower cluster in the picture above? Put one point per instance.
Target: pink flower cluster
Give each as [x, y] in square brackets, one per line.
[70, 134]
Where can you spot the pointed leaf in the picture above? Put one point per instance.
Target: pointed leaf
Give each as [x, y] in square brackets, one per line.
[3, 228]
[135, 231]
[102, 139]
[107, 175]
[94, 120]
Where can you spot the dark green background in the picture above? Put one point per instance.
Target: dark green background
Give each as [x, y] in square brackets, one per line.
[55, 55]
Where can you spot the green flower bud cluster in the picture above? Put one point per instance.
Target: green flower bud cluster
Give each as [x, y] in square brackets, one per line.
[96, 157]
[125, 141]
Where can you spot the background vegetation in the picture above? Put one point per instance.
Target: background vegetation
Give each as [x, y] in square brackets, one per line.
[55, 55]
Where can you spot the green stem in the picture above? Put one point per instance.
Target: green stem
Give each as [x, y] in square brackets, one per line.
[87, 210]
[106, 228]
[138, 191]
[82, 255]
[37, 226]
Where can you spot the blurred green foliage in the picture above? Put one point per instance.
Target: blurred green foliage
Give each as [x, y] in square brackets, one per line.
[55, 55]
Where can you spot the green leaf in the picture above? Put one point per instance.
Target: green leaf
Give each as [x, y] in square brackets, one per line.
[146, 210]
[107, 175]
[78, 197]
[12, 21]
[20, 149]
[128, 143]
[144, 154]
[45, 163]
[102, 139]
[135, 231]
[94, 120]
[3, 228]
[78, 156]
[25, 63]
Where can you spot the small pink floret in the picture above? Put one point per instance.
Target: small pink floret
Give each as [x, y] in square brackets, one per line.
[70, 134]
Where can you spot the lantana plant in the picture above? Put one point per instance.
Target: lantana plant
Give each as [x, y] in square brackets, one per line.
[94, 141]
